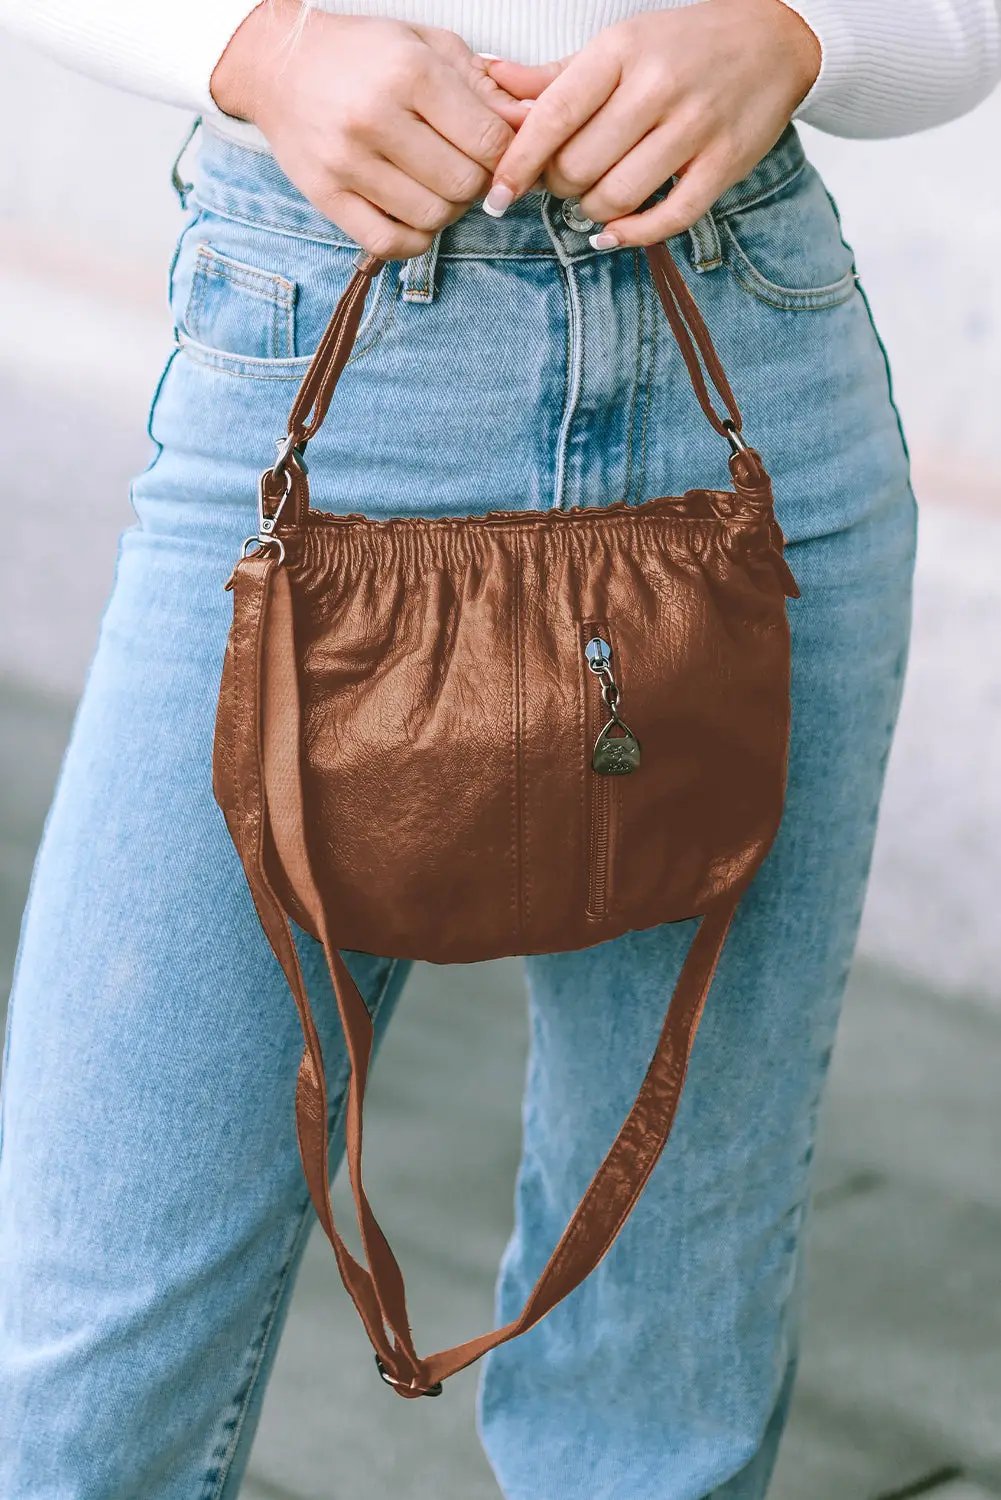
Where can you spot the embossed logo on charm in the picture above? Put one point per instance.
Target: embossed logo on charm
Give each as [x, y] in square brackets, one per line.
[615, 754]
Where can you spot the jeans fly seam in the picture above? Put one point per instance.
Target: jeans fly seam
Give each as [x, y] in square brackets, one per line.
[634, 399]
[650, 304]
[260, 1346]
[572, 381]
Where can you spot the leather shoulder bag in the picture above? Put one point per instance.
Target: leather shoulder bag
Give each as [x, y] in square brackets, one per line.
[510, 733]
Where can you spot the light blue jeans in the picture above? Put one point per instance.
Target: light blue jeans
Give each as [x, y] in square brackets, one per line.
[151, 1222]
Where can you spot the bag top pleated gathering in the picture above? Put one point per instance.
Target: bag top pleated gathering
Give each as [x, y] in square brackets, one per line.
[518, 732]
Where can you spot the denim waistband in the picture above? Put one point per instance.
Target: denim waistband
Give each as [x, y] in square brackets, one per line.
[246, 184]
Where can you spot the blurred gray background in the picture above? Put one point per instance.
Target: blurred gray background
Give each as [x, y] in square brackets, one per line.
[900, 1392]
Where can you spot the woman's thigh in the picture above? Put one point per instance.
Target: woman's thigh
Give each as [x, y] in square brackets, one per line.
[666, 1374]
[152, 1208]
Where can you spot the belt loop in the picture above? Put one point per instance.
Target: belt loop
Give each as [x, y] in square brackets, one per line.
[182, 188]
[707, 251]
[418, 274]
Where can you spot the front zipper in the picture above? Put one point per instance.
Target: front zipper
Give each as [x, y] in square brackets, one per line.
[613, 751]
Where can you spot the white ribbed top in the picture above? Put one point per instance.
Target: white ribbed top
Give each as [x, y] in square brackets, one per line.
[889, 66]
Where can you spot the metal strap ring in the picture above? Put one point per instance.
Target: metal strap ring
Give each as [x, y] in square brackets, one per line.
[288, 449]
[262, 542]
[734, 437]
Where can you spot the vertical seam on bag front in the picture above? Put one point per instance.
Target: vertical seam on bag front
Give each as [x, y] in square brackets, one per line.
[516, 811]
[652, 303]
[526, 822]
[573, 368]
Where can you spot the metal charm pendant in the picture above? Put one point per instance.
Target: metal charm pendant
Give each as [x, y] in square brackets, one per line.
[616, 754]
[613, 754]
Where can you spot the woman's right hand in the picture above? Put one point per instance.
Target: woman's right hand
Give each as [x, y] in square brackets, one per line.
[390, 130]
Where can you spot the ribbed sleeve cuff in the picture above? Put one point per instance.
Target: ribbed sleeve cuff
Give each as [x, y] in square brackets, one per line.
[174, 62]
[890, 67]
[830, 24]
[165, 51]
[202, 35]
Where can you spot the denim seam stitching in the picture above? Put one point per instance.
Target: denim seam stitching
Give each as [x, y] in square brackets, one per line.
[788, 298]
[261, 222]
[216, 1479]
[238, 207]
[269, 286]
[572, 376]
[271, 290]
[253, 367]
[766, 191]
[291, 367]
[634, 398]
[241, 1406]
[650, 304]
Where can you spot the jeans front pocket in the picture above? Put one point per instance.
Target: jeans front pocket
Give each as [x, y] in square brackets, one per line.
[239, 308]
[786, 248]
[251, 301]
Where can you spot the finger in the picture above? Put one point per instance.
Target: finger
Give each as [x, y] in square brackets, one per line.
[451, 106]
[473, 67]
[524, 80]
[638, 172]
[403, 198]
[604, 140]
[513, 111]
[428, 158]
[372, 229]
[694, 193]
[558, 113]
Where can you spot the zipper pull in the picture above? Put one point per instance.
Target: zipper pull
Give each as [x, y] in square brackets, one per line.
[613, 754]
[598, 653]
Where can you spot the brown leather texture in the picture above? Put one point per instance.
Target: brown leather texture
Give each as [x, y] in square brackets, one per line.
[446, 730]
[403, 755]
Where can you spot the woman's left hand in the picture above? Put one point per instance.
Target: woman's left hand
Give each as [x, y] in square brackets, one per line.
[702, 92]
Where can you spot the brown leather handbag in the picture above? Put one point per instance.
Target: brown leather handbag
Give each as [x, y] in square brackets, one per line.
[519, 732]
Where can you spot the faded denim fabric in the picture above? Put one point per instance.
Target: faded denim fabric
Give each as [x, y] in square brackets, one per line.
[152, 1208]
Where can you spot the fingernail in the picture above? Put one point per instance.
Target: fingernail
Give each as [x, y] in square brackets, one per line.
[498, 200]
[603, 241]
[489, 56]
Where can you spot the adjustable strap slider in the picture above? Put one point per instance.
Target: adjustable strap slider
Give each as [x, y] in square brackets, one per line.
[412, 1388]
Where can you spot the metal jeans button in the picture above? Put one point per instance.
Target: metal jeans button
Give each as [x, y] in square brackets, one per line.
[572, 219]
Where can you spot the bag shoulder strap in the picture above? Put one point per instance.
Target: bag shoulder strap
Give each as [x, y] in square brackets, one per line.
[286, 481]
[268, 773]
